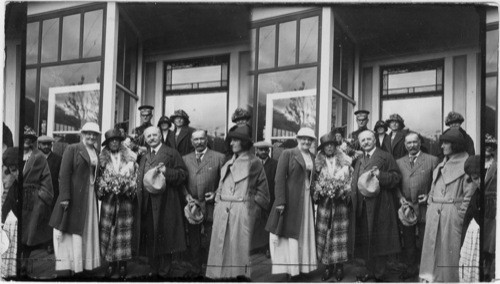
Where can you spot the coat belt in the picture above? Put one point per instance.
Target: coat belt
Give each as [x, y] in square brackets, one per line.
[446, 200]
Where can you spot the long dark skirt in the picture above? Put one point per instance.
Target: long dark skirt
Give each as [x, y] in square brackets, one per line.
[116, 227]
[332, 229]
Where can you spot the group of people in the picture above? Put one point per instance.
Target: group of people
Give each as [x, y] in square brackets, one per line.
[165, 191]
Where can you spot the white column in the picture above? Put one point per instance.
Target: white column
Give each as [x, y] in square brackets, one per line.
[234, 85]
[357, 95]
[448, 87]
[109, 78]
[375, 114]
[472, 117]
[326, 70]
[134, 114]
[157, 101]
[12, 95]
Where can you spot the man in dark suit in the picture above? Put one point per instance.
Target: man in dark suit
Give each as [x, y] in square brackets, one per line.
[362, 121]
[416, 179]
[158, 220]
[204, 166]
[261, 236]
[374, 226]
[140, 143]
[395, 145]
[180, 138]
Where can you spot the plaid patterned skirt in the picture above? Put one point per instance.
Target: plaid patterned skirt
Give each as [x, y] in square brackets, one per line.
[116, 227]
[332, 229]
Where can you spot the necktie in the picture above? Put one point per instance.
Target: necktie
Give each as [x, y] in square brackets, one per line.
[367, 157]
[198, 157]
[153, 153]
[412, 160]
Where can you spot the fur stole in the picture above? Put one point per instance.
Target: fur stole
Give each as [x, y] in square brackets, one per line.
[341, 160]
[126, 156]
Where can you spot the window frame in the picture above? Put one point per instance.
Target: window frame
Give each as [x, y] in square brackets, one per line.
[254, 54]
[60, 14]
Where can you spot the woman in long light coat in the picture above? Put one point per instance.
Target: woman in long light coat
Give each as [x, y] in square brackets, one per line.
[448, 200]
[242, 195]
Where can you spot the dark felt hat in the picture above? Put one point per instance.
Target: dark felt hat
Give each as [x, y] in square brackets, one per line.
[490, 141]
[10, 156]
[239, 114]
[473, 165]
[398, 118]
[453, 117]
[29, 133]
[242, 132]
[180, 113]
[380, 123]
[326, 139]
[164, 119]
[112, 134]
[452, 135]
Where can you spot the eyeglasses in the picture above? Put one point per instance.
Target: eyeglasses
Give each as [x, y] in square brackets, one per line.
[362, 119]
[145, 115]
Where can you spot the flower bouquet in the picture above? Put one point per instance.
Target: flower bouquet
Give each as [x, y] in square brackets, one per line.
[338, 187]
[122, 183]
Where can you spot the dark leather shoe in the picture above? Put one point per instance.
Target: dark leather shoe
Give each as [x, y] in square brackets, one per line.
[327, 274]
[122, 272]
[110, 270]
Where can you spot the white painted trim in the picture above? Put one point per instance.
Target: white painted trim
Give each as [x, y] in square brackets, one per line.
[139, 88]
[448, 87]
[158, 96]
[270, 106]
[472, 100]
[110, 59]
[53, 91]
[11, 88]
[234, 85]
[324, 117]
[357, 95]
[375, 113]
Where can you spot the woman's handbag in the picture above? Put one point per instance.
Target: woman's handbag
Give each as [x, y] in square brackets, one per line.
[154, 181]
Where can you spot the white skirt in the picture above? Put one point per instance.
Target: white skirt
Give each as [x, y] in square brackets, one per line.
[293, 256]
[74, 252]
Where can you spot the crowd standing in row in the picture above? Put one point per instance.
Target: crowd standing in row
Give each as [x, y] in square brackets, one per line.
[165, 190]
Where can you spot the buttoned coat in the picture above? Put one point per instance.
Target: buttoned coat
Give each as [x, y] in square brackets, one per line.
[381, 212]
[37, 201]
[289, 191]
[417, 180]
[204, 177]
[241, 196]
[166, 207]
[183, 143]
[74, 183]
[447, 203]
[384, 142]
[397, 146]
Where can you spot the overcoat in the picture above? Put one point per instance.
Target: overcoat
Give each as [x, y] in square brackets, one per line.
[384, 142]
[241, 196]
[397, 146]
[289, 191]
[204, 177]
[54, 162]
[381, 212]
[261, 236]
[417, 180]
[74, 182]
[490, 208]
[37, 201]
[167, 212]
[182, 143]
[448, 201]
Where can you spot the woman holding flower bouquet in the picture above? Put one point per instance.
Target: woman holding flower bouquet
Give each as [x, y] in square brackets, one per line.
[331, 191]
[116, 189]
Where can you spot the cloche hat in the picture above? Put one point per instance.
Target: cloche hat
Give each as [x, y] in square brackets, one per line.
[328, 138]
[29, 133]
[242, 132]
[164, 119]
[240, 113]
[398, 118]
[180, 113]
[90, 127]
[380, 123]
[452, 135]
[306, 132]
[112, 134]
[453, 117]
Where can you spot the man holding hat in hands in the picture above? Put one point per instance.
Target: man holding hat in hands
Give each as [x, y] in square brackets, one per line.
[374, 227]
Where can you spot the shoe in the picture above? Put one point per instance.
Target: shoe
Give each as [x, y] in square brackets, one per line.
[123, 271]
[339, 274]
[327, 274]
[268, 254]
[365, 277]
[110, 270]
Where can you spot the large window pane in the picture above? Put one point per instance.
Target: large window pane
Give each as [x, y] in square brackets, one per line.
[279, 82]
[69, 75]
[490, 111]
[32, 30]
[287, 43]
[245, 89]
[92, 33]
[253, 41]
[308, 51]
[197, 106]
[70, 48]
[412, 111]
[30, 98]
[130, 60]
[123, 105]
[50, 40]
[492, 51]
[267, 42]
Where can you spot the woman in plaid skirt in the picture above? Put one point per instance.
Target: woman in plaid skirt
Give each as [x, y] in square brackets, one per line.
[117, 188]
[331, 192]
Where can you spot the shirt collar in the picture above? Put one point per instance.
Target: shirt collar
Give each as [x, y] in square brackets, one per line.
[416, 155]
[371, 152]
[202, 152]
[156, 149]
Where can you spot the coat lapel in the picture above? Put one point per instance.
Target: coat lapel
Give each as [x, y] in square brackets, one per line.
[29, 163]
[182, 134]
[298, 156]
[491, 172]
[241, 167]
[418, 162]
[399, 137]
[204, 160]
[82, 150]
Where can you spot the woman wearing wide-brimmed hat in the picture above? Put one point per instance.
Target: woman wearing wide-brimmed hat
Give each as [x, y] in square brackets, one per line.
[242, 195]
[448, 200]
[116, 189]
[291, 221]
[395, 144]
[381, 136]
[75, 218]
[180, 138]
[331, 190]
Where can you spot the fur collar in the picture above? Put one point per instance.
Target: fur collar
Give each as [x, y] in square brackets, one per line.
[341, 160]
[126, 156]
